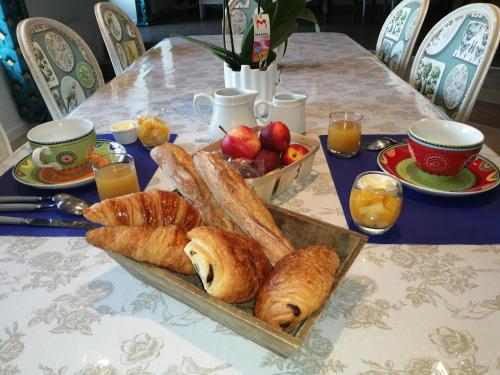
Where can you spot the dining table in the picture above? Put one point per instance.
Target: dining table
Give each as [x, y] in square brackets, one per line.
[66, 307]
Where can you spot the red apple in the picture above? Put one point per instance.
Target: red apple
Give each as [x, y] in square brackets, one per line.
[275, 136]
[241, 142]
[293, 153]
[271, 159]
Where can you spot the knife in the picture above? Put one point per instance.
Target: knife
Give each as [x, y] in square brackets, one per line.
[22, 199]
[24, 206]
[47, 222]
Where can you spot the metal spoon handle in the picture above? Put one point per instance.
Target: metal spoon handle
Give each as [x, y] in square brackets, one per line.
[22, 199]
[17, 207]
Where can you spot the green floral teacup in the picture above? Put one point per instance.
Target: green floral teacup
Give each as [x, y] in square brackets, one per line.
[62, 144]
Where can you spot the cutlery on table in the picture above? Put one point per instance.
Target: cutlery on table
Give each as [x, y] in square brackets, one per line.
[380, 143]
[17, 207]
[64, 202]
[47, 222]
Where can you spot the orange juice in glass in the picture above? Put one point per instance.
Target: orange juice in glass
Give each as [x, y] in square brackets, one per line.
[115, 175]
[344, 134]
[375, 202]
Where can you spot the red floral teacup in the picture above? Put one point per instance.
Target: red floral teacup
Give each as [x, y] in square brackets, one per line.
[442, 147]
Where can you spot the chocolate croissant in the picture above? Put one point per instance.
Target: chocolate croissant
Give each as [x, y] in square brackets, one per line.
[297, 286]
[231, 266]
[242, 204]
[162, 246]
[153, 208]
[176, 163]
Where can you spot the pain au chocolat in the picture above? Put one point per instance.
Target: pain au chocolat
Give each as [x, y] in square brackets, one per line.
[242, 204]
[153, 208]
[231, 266]
[297, 286]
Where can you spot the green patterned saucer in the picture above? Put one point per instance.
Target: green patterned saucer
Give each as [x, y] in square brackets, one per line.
[479, 176]
[27, 173]
[463, 180]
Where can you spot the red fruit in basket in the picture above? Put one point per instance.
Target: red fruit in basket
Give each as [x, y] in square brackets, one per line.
[293, 153]
[241, 142]
[275, 136]
[271, 159]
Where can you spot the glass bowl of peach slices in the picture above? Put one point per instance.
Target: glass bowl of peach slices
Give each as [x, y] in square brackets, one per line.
[375, 202]
[152, 126]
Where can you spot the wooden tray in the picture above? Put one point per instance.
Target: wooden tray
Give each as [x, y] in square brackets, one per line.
[280, 180]
[303, 231]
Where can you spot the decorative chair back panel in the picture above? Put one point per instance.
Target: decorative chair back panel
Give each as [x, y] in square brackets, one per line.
[62, 64]
[121, 37]
[399, 34]
[242, 12]
[453, 59]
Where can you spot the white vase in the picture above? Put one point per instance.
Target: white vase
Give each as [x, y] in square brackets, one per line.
[264, 82]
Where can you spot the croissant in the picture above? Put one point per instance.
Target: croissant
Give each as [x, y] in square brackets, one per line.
[176, 163]
[242, 204]
[231, 266]
[154, 208]
[161, 246]
[297, 286]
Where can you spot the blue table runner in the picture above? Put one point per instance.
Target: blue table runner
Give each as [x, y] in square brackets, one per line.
[424, 219]
[144, 165]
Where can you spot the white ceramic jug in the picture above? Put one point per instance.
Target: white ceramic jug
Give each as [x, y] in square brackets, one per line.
[288, 108]
[231, 107]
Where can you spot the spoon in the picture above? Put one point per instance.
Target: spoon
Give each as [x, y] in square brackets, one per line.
[380, 143]
[64, 202]
[70, 204]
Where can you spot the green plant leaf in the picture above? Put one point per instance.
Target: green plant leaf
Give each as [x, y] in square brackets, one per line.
[247, 46]
[283, 15]
[286, 12]
[232, 59]
[282, 33]
[308, 15]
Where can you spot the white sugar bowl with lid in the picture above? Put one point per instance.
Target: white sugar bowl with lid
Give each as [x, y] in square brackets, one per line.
[125, 132]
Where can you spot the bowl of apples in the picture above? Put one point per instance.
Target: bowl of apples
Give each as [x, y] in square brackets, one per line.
[270, 158]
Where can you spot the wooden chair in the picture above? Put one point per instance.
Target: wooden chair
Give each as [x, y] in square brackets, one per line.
[121, 36]
[61, 63]
[5, 149]
[454, 58]
[399, 34]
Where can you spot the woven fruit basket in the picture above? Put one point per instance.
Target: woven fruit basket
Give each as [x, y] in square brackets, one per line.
[276, 182]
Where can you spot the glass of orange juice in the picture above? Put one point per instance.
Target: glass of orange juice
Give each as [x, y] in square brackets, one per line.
[344, 134]
[375, 202]
[115, 175]
[152, 126]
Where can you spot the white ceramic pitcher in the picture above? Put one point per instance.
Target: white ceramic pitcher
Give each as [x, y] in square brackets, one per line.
[231, 107]
[288, 108]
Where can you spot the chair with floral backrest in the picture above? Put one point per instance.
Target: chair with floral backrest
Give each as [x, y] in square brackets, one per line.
[5, 149]
[399, 34]
[454, 58]
[62, 64]
[121, 36]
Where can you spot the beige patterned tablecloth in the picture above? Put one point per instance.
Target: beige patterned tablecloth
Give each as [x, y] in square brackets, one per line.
[67, 308]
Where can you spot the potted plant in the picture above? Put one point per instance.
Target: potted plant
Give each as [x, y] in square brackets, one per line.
[239, 68]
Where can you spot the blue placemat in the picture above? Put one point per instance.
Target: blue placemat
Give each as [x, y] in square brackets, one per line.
[425, 219]
[144, 165]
